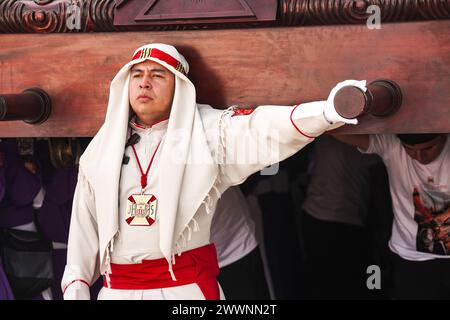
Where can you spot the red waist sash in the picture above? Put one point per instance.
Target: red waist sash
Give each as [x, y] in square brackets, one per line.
[198, 266]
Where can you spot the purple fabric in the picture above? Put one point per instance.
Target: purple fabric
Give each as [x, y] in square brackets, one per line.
[13, 216]
[61, 185]
[5, 289]
[22, 185]
[20, 188]
[53, 217]
[2, 184]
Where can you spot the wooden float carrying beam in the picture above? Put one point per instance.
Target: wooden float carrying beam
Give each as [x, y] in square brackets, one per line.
[248, 67]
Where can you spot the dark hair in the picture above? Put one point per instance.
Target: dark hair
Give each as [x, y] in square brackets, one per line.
[417, 138]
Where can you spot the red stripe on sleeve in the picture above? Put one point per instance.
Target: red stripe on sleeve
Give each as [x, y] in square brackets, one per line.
[80, 280]
[293, 123]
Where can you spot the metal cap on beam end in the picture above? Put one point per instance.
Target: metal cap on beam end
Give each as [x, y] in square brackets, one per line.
[351, 102]
[33, 106]
[45, 103]
[387, 97]
[382, 98]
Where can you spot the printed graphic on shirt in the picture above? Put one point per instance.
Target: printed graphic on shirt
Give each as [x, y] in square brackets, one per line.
[141, 210]
[432, 214]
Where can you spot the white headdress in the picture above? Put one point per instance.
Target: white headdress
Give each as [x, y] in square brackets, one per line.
[101, 163]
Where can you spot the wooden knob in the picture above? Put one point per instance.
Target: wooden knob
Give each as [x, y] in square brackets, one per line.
[382, 98]
[33, 106]
[386, 97]
[351, 102]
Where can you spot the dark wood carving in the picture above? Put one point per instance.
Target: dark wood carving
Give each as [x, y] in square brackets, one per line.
[271, 68]
[46, 16]
[157, 10]
[194, 12]
[326, 12]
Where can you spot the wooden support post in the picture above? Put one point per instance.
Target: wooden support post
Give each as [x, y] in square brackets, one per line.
[32, 106]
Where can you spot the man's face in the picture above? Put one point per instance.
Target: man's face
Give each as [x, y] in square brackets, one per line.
[426, 152]
[151, 91]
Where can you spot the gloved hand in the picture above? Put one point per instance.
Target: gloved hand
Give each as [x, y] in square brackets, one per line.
[330, 112]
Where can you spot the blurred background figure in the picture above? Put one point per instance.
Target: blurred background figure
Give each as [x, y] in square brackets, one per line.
[337, 242]
[233, 233]
[37, 183]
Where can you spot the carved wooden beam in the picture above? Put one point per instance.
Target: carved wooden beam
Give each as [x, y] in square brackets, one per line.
[184, 14]
[248, 67]
[328, 12]
[47, 16]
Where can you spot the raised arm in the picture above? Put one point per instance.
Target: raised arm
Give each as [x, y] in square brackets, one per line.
[267, 136]
[251, 141]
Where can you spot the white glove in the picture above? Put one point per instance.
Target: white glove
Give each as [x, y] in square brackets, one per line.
[330, 112]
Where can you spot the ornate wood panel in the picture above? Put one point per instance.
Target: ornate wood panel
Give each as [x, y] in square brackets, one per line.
[326, 12]
[248, 67]
[194, 12]
[17, 16]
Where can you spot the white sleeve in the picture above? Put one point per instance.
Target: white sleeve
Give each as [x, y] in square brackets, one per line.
[83, 248]
[268, 135]
[381, 144]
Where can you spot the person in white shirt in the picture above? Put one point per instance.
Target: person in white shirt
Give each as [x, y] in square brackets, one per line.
[142, 209]
[238, 253]
[418, 166]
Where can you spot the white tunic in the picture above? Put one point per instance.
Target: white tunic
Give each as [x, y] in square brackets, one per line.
[249, 143]
[136, 243]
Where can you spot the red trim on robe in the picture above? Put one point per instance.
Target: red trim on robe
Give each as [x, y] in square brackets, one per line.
[293, 123]
[72, 282]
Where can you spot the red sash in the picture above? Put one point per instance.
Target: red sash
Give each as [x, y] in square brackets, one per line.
[198, 266]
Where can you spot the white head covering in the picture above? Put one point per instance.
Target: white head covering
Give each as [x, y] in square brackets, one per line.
[101, 163]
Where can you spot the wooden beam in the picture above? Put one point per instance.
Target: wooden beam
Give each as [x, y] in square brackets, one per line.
[247, 67]
[49, 16]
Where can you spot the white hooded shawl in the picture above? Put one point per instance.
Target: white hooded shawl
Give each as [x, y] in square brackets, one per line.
[102, 161]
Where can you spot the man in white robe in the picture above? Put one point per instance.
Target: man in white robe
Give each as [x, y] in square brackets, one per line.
[151, 177]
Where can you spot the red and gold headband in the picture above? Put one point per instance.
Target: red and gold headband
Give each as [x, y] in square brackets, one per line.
[161, 55]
